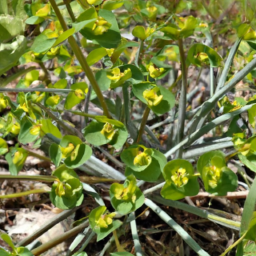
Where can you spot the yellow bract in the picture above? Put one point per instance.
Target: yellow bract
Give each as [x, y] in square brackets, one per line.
[179, 177]
[105, 220]
[142, 159]
[151, 96]
[67, 150]
[213, 175]
[155, 72]
[108, 131]
[100, 26]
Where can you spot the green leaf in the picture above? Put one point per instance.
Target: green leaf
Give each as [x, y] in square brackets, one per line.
[25, 135]
[16, 159]
[111, 5]
[3, 147]
[3, 7]
[55, 154]
[127, 197]
[10, 53]
[183, 28]
[216, 176]
[136, 72]
[140, 32]
[102, 223]
[103, 82]
[48, 127]
[111, 38]
[65, 35]
[95, 55]
[76, 96]
[8, 240]
[180, 180]
[201, 54]
[121, 254]
[34, 20]
[121, 47]
[79, 156]
[249, 161]
[67, 191]
[42, 43]
[10, 27]
[80, 254]
[167, 102]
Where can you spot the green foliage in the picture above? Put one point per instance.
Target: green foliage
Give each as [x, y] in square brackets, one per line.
[180, 180]
[16, 251]
[216, 176]
[159, 99]
[122, 76]
[67, 190]
[127, 197]
[144, 163]
[102, 223]
[105, 131]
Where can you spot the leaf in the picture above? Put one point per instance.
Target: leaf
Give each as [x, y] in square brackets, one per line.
[165, 104]
[95, 55]
[76, 96]
[111, 5]
[3, 147]
[121, 254]
[55, 154]
[140, 32]
[34, 20]
[111, 38]
[42, 43]
[25, 136]
[65, 35]
[201, 54]
[216, 176]
[48, 127]
[83, 153]
[10, 53]
[10, 27]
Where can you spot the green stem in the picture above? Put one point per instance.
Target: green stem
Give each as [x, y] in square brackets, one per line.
[234, 245]
[51, 90]
[42, 178]
[44, 158]
[46, 73]
[80, 57]
[25, 193]
[65, 126]
[46, 246]
[183, 98]
[138, 55]
[70, 11]
[143, 123]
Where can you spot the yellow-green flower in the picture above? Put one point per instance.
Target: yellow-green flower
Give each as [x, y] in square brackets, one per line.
[213, 175]
[155, 72]
[108, 131]
[105, 220]
[67, 150]
[142, 159]
[100, 26]
[3, 102]
[35, 129]
[152, 97]
[180, 177]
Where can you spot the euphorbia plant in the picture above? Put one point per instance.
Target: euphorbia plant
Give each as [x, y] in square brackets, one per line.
[71, 40]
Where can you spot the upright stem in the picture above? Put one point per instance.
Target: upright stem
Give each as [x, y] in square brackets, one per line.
[70, 11]
[138, 55]
[143, 123]
[80, 57]
[183, 98]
